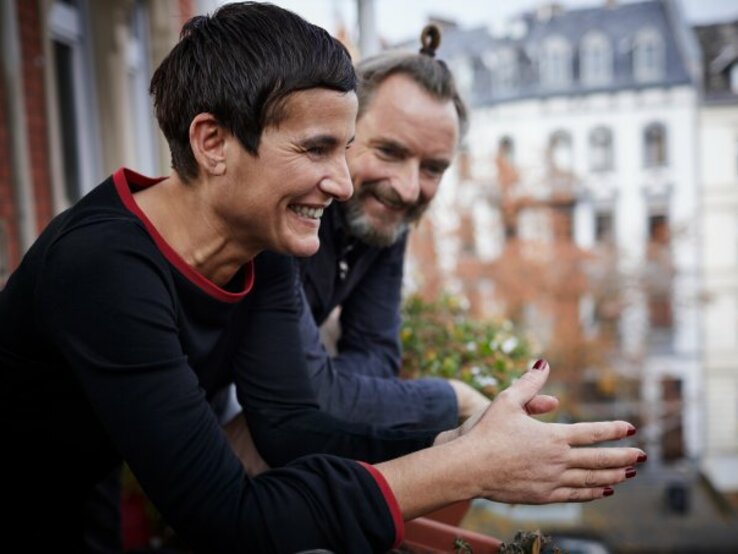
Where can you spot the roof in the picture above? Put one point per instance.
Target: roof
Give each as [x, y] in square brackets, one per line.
[719, 45]
[620, 24]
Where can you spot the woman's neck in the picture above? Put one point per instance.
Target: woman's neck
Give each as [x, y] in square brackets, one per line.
[182, 215]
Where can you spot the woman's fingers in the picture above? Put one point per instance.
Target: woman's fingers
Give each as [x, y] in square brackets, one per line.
[573, 494]
[585, 434]
[605, 458]
[589, 478]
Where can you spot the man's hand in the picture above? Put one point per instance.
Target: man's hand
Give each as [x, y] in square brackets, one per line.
[469, 400]
[239, 436]
[538, 405]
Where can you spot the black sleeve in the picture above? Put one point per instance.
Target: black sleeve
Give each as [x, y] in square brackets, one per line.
[274, 388]
[106, 303]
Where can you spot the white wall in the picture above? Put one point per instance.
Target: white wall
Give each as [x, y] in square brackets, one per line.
[630, 190]
[718, 141]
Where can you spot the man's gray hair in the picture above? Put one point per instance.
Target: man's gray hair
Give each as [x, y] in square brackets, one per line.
[430, 74]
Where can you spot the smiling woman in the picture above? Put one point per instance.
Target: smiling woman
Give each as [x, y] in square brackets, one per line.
[140, 301]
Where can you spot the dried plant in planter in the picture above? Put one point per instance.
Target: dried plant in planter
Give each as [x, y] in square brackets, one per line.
[462, 547]
[440, 339]
[529, 542]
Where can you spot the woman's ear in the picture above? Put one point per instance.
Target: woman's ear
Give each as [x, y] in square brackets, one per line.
[207, 140]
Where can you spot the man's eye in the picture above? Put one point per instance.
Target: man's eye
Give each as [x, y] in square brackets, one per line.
[433, 171]
[317, 151]
[388, 152]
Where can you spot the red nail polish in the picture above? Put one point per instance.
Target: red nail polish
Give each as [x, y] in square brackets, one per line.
[631, 431]
[539, 364]
[608, 491]
[630, 472]
[641, 458]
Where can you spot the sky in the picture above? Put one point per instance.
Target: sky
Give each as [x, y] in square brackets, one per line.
[398, 20]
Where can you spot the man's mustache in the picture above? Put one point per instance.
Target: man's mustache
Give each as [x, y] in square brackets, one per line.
[389, 196]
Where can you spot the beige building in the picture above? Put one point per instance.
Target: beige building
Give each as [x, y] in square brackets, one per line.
[74, 102]
[718, 175]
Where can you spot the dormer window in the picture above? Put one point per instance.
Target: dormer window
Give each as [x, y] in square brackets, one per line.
[505, 70]
[596, 58]
[464, 74]
[648, 56]
[555, 63]
[734, 78]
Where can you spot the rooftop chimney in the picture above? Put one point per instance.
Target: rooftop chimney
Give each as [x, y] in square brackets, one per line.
[549, 10]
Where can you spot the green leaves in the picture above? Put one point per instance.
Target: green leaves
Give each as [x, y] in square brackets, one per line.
[441, 339]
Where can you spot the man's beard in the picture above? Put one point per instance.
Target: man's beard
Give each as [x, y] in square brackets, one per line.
[360, 224]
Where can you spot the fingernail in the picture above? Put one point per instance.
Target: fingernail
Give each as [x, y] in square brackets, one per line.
[539, 364]
[631, 431]
[630, 472]
[641, 458]
[608, 491]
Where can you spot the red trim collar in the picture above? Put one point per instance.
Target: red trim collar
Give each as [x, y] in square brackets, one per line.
[123, 178]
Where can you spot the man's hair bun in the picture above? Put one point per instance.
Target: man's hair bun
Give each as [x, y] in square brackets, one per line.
[430, 39]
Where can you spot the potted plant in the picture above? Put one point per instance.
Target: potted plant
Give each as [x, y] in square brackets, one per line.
[440, 339]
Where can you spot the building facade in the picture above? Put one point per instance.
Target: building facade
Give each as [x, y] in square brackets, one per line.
[718, 153]
[74, 103]
[573, 210]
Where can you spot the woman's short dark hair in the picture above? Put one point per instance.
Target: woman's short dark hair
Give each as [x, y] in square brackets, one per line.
[240, 64]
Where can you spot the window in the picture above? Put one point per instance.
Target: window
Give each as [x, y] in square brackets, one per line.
[562, 224]
[654, 145]
[560, 152]
[466, 235]
[506, 71]
[734, 78]
[604, 233]
[74, 99]
[600, 149]
[555, 63]
[139, 73]
[4, 254]
[648, 56]
[464, 74]
[507, 174]
[659, 272]
[506, 149]
[596, 59]
[70, 143]
[463, 164]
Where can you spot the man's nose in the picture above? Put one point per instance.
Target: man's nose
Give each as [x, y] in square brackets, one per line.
[407, 184]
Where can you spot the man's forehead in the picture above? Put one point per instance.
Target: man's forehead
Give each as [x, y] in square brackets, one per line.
[400, 95]
[403, 113]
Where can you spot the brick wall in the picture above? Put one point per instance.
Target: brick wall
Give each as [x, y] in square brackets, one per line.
[9, 247]
[31, 33]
